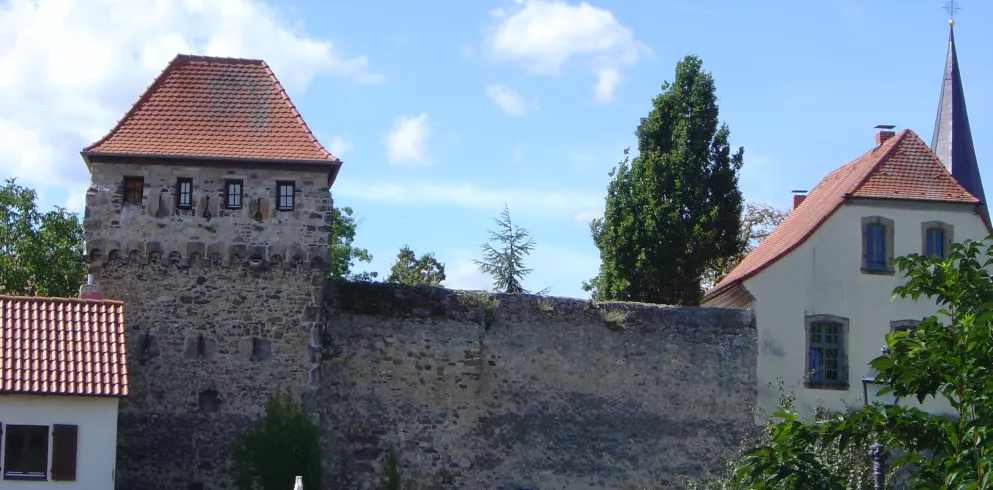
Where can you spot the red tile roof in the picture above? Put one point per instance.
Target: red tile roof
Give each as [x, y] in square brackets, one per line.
[903, 167]
[211, 107]
[60, 346]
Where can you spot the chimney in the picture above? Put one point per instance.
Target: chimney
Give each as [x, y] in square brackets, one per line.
[89, 290]
[885, 132]
[798, 197]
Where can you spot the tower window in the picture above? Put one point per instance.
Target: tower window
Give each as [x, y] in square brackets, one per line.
[935, 242]
[232, 194]
[936, 238]
[134, 189]
[184, 193]
[285, 194]
[875, 241]
[877, 245]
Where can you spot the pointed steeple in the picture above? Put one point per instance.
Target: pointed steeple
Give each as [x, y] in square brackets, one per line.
[952, 140]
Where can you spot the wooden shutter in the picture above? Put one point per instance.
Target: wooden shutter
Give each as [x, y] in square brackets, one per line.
[64, 452]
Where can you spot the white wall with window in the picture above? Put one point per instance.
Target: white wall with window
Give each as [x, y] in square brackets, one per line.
[57, 442]
[823, 309]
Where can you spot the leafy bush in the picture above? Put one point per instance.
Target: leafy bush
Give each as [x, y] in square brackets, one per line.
[284, 443]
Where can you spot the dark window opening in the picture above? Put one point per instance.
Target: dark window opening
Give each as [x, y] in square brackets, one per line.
[875, 246]
[934, 242]
[232, 194]
[134, 189]
[26, 452]
[825, 352]
[184, 193]
[284, 195]
[201, 347]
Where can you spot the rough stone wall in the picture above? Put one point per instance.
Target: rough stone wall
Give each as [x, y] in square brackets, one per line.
[501, 392]
[157, 229]
[223, 307]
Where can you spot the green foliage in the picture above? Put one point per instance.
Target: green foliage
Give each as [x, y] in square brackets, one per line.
[506, 264]
[757, 221]
[848, 466]
[675, 208]
[343, 253]
[41, 254]
[948, 356]
[392, 471]
[410, 270]
[284, 443]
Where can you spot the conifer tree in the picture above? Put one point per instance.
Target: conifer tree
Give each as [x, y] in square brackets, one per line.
[675, 208]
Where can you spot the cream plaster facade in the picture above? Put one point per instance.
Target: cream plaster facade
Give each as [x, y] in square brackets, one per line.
[823, 276]
[96, 444]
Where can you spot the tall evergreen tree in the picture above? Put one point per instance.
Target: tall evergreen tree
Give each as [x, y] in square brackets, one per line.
[506, 264]
[674, 209]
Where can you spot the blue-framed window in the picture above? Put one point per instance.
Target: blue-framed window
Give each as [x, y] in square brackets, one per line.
[934, 242]
[824, 358]
[875, 246]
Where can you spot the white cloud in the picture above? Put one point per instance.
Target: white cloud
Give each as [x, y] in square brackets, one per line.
[584, 216]
[556, 203]
[542, 35]
[516, 156]
[407, 141]
[606, 85]
[509, 100]
[72, 68]
[340, 146]
[463, 273]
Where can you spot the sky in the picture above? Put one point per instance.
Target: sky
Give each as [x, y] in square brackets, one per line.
[442, 111]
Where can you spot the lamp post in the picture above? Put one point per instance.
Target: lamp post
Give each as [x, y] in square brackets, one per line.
[876, 450]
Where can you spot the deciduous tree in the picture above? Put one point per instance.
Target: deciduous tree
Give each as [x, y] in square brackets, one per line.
[757, 221]
[41, 254]
[675, 208]
[284, 443]
[343, 253]
[412, 271]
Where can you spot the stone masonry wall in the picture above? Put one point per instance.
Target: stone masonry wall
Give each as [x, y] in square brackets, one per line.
[510, 392]
[223, 307]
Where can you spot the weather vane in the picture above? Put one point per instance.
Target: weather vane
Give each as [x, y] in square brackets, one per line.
[951, 7]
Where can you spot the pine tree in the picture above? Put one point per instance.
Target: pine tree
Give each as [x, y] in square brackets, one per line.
[506, 264]
[674, 209]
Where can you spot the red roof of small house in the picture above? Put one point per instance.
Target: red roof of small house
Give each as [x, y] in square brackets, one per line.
[902, 168]
[61, 346]
[211, 107]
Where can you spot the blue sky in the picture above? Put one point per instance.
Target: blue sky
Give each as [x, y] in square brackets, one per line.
[443, 111]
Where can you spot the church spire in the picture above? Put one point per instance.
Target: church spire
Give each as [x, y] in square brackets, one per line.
[952, 140]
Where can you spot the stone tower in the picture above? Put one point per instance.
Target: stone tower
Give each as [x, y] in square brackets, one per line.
[208, 213]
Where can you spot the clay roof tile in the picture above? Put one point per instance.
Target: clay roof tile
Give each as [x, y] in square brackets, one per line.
[47, 348]
[902, 168]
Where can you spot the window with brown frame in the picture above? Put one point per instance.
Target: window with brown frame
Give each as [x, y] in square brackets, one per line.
[232, 193]
[184, 193]
[284, 195]
[134, 189]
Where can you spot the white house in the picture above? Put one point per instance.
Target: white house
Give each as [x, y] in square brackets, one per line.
[63, 372]
[821, 283]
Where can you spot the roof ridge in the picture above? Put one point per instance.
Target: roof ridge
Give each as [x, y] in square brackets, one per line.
[882, 158]
[286, 97]
[59, 299]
